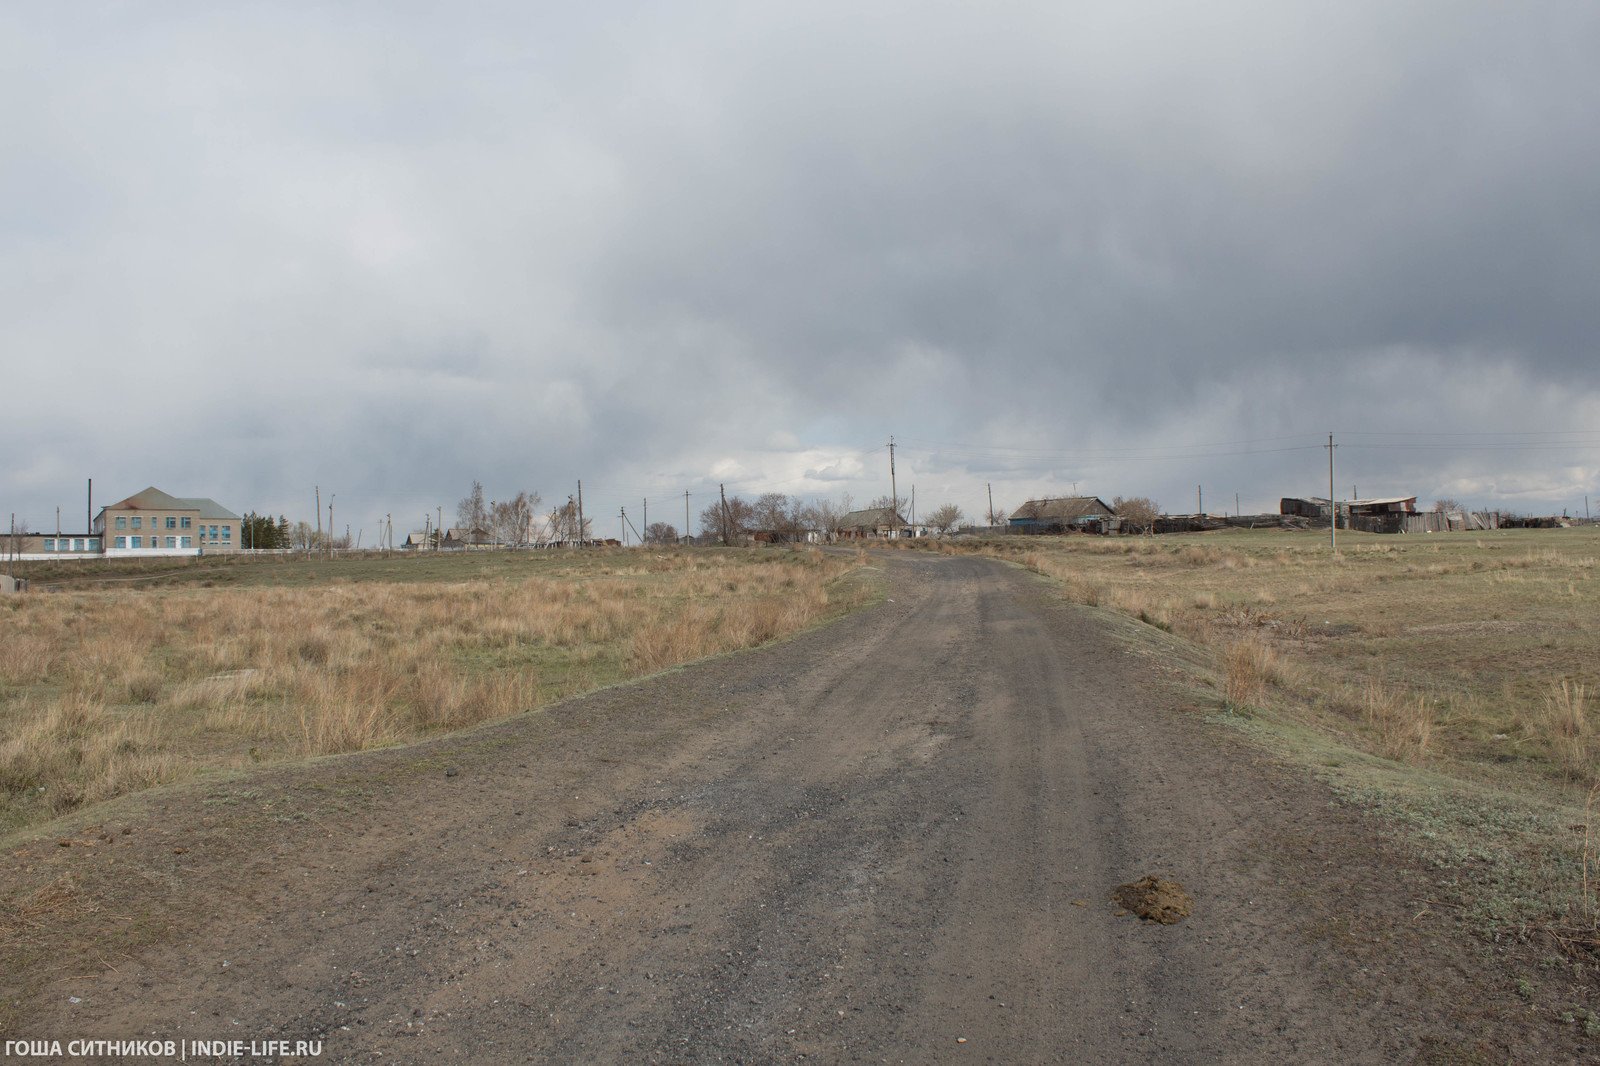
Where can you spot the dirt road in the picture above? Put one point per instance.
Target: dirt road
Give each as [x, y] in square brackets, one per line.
[891, 839]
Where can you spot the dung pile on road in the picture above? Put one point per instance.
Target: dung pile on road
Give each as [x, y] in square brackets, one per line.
[1155, 899]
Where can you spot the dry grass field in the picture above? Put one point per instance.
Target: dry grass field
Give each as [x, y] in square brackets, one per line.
[121, 678]
[1449, 681]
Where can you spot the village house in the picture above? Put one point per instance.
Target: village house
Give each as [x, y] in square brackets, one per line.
[1080, 514]
[873, 522]
[457, 538]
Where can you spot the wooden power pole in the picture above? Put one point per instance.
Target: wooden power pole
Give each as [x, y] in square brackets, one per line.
[1333, 507]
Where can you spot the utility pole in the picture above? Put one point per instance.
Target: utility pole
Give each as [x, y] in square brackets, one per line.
[1333, 508]
[1586, 516]
[913, 508]
[438, 529]
[1199, 502]
[580, 512]
[58, 521]
[622, 514]
[88, 513]
[319, 518]
[990, 487]
[686, 514]
[646, 518]
[722, 491]
[331, 526]
[894, 495]
[388, 533]
[1236, 512]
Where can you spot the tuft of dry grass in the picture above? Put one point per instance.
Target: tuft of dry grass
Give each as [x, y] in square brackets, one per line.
[1249, 665]
[1560, 723]
[1403, 724]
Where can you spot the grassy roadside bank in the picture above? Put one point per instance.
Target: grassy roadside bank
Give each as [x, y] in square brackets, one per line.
[1448, 683]
[121, 681]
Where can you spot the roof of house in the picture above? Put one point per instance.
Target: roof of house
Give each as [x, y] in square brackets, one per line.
[458, 533]
[871, 518]
[1381, 501]
[1061, 509]
[153, 499]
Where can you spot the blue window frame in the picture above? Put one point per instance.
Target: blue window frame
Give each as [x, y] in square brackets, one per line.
[172, 522]
[135, 542]
[185, 542]
[186, 521]
[122, 521]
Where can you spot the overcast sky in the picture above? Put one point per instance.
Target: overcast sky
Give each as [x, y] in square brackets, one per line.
[387, 248]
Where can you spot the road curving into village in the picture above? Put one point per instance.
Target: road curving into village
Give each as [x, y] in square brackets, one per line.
[889, 839]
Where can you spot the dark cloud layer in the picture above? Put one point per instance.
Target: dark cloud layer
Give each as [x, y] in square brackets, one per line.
[385, 249]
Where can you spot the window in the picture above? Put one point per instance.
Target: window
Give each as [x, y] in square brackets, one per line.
[172, 523]
[49, 545]
[122, 521]
[186, 520]
[120, 542]
[227, 532]
[213, 534]
[138, 522]
[135, 542]
[172, 542]
[185, 542]
[92, 544]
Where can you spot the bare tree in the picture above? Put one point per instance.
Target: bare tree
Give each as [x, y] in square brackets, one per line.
[728, 525]
[303, 536]
[660, 533]
[472, 513]
[512, 520]
[887, 502]
[945, 517]
[782, 516]
[1448, 506]
[770, 513]
[1138, 511]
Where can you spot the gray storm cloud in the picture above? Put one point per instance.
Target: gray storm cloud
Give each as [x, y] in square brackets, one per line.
[390, 248]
